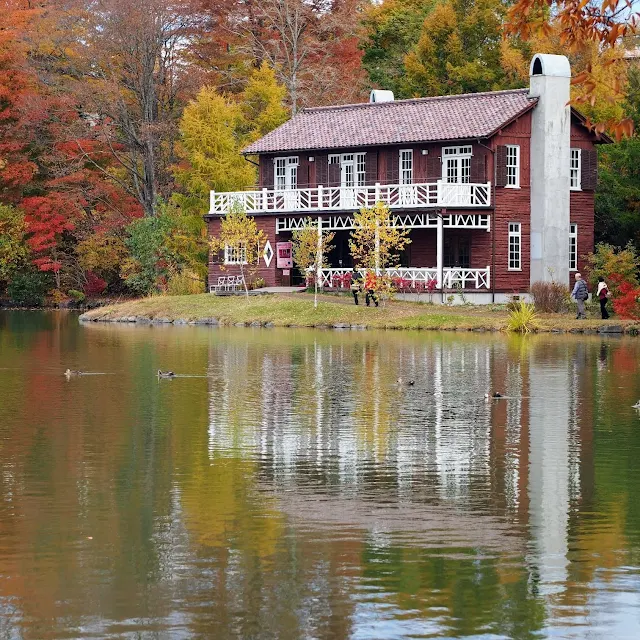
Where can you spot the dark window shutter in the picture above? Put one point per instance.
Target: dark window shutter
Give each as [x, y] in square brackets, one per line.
[266, 171]
[334, 175]
[322, 167]
[477, 171]
[589, 169]
[371, 167]
[434, 167]
[393, 166]
[501, 166]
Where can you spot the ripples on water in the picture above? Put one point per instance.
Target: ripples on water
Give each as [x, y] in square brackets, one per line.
[297, 490]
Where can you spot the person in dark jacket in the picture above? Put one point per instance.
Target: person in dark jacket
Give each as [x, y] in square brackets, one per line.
[580, 293]
[603, 296]
[356, 284]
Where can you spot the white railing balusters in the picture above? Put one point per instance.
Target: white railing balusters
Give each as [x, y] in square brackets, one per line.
[453, 277]
[406, 196]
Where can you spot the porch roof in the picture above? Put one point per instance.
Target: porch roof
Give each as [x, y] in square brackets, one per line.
[461, 117]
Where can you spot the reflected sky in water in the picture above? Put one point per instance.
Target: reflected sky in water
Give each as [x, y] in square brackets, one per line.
[295, 485]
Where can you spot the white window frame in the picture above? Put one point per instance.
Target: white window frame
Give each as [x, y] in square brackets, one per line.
[514, 255]
[406, 166]
[575, 170]
[459, 158]
[573, 247]
[513, 166]
[285, 173]
[358, 164]
[235, 255]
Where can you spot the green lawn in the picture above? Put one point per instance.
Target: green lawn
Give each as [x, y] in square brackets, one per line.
[298, 310]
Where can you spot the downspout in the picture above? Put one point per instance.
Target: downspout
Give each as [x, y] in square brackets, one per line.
[493, 226]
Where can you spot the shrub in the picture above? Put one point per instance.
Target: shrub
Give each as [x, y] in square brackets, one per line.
[549, 297]
[76, 295]
[258, 283]
[513, 304]
[607, 260]
[28, 288]
[94, 285]
[184, 283]
[523, 318]
[626, 302]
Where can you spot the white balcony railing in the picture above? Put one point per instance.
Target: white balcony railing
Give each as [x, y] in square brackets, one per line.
[452, 277]
[395, 196]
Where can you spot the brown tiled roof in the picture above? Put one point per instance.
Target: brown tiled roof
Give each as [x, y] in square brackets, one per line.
[463, 117]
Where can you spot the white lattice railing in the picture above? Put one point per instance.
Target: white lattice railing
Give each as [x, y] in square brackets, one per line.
[395, 196]
[453, 277]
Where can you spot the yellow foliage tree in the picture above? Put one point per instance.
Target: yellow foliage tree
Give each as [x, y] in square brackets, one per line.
[14, 252]
[263, 102]
[240, 240]
[375, 242]
[310, 250]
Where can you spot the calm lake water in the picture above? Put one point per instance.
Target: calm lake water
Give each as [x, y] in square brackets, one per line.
[291, 488]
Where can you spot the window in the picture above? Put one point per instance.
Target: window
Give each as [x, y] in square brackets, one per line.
[353, 168]
[235, 254]
[406, 166]
[286, 173]
[456, 165]
[361, 169]
[574, 172]
[573, 247]
[513, 166]
[515, 247]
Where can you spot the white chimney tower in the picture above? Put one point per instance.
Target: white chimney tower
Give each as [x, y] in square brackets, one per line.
[550, 79]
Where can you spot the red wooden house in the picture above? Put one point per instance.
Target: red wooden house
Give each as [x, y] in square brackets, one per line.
[497, 188]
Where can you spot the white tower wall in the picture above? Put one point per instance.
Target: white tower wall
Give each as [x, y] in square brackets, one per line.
[550, 78]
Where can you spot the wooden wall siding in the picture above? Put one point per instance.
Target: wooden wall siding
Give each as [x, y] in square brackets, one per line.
[518, 132]
[271, 275]
[582, 213]
[511, 205]
[579, 133]
[313, 172]
[371, 167]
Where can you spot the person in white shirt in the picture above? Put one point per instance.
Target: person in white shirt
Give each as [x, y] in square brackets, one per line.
[603, 296]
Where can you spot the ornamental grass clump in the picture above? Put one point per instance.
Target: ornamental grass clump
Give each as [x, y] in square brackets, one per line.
[522, 319]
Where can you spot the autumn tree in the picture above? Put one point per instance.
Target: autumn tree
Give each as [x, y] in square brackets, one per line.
[375, 241]
[14, 252]
[134, 84]
[606, 26]
[391, 29]
[310, 248]
[461, 49]
[214, 128]
[240, 241]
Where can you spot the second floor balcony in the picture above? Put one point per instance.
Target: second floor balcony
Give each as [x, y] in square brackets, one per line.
[426, 195]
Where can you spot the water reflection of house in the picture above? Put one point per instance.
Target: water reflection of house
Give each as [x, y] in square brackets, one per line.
[330, 419]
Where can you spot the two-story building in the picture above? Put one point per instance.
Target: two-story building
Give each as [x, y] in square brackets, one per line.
[496, 188]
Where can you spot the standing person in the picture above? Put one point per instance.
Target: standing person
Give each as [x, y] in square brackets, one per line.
[580, 293]
[370, 288]
[603, 296]
[356, 284]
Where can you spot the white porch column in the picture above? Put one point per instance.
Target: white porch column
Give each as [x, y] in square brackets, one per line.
[212, 201]
[265, 199]
[439, 252]
[377, 249]
[319, 254]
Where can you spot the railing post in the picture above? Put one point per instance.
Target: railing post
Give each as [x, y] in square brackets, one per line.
[377, 194]
[212, 201]
[265, 199]
[488, 194]
[438, 192]
[488, 277]
[320, 197]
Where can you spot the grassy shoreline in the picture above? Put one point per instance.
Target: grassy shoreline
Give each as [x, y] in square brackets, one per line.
[297, 310]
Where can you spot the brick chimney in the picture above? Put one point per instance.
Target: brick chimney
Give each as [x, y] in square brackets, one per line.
[550, 79]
